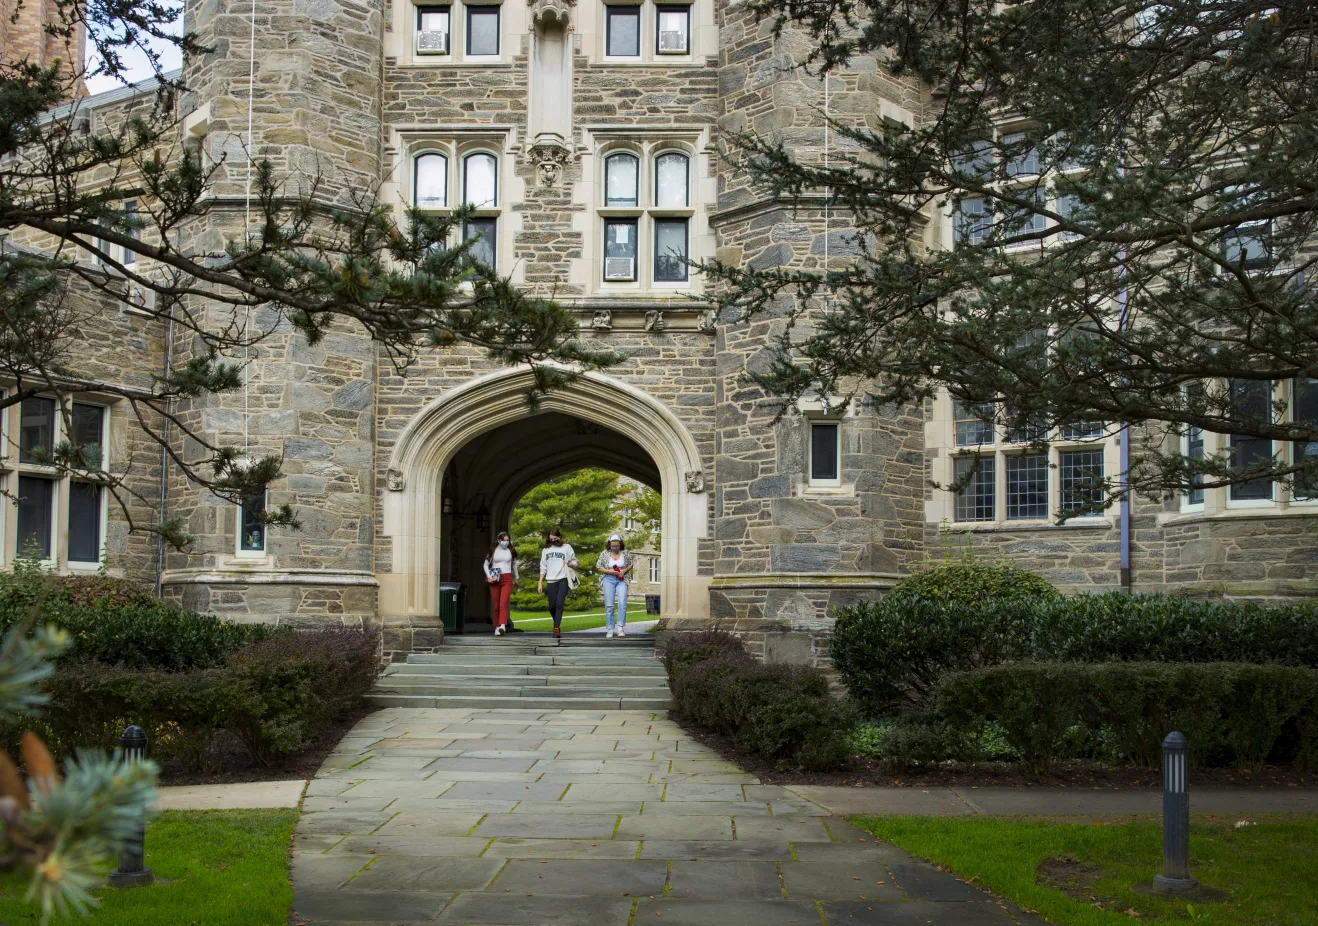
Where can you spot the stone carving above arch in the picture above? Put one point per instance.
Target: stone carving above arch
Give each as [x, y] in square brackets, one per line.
[695, 481]
[545, 12]
[395, 481]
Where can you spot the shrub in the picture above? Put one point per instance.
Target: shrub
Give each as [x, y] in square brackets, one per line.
[892, 653]
[784, 713]
[117, 622]
[1229, 712]
[276, 695]
[683, 649]
[973, 584]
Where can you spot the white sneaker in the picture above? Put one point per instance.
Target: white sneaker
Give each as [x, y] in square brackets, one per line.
[620, 632]
[608, 635]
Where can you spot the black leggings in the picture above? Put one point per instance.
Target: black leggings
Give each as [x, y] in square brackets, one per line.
[556, 592]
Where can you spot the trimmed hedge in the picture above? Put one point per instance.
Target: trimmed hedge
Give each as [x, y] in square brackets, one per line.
[893, 653]
[784, 713]
[276, 696]
[973, 584]
[118, 622]
[1230, 712]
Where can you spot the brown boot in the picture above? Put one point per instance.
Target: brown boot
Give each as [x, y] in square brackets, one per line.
[556, 633]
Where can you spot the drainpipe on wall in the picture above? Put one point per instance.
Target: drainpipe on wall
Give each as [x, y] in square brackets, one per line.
[164, 445]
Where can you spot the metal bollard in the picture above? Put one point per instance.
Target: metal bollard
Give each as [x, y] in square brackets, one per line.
[1175, 877]
[132, 870]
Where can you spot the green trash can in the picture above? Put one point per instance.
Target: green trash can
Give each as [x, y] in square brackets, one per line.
[450, 607]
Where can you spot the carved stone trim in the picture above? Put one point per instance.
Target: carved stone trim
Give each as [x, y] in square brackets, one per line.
[394, 481]
[550, 156]
[695, 481]
[603, 320]
[654, 321]
[709, 321]
[548, 11]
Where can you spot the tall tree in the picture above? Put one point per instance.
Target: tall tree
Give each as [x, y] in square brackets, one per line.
[1137, 246]
[583, 505]
[314, 263]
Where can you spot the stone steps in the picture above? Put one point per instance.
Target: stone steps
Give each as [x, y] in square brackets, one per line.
[582, 673]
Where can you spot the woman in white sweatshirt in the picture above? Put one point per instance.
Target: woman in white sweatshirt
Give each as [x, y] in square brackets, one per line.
[500, 572]
[555, 560]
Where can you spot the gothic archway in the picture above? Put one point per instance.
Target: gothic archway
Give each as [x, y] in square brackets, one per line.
[412, 499]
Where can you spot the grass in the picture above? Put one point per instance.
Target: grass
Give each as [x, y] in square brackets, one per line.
[540, 620]
[1266, 867]
[213, 868]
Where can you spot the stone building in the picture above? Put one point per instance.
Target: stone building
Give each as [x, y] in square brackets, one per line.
[589, 135]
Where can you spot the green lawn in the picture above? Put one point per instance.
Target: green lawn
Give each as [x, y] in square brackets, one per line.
[213, 868]
[540, 620]
[1267, 868]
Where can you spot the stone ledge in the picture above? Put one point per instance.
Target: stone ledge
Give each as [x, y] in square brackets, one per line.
[808, 580]
[268, 577]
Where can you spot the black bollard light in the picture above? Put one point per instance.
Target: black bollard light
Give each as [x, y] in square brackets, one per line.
[132, 870]
[1175, 877]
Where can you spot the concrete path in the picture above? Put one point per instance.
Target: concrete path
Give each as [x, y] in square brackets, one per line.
[1051, 801]
[587, 818]
[633, 627]
[242, 796]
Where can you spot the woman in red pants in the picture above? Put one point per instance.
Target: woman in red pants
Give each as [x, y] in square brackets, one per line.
[500, 572]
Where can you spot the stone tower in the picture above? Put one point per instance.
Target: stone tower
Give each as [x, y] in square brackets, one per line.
[24, 37]
[313, 71]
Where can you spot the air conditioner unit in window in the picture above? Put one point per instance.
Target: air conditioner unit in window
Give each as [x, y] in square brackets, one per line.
[672, 42]
[620, 268]
[432, 43]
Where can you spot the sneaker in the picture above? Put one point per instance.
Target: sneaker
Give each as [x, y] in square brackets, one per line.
[608, 635]
[498, 631]
[620, 632]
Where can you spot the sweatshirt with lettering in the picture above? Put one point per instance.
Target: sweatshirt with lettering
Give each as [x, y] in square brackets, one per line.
[554, 561]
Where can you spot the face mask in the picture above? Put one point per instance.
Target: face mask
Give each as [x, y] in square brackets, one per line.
[504, 544]
[556, 541]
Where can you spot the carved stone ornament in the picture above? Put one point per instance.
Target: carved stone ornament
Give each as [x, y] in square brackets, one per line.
[548, 11]
[603, 320]
[709, 321]
[394, 481]
[695, 481]
[549, 159]
[654, 321]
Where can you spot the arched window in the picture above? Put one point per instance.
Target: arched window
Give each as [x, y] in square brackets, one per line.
[621, 180]
[430, 181]
[480, 182]
[671, 181]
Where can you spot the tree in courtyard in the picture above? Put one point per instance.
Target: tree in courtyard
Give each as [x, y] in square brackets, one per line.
[646, 507]
[1133, 201]
[123, 191]
[583, 505]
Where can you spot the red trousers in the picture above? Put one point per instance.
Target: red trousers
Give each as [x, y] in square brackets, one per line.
[499, 593]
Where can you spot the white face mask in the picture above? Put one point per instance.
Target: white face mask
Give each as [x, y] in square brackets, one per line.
[504, 544]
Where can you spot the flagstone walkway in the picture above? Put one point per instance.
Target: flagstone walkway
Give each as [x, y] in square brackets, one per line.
[577, 818]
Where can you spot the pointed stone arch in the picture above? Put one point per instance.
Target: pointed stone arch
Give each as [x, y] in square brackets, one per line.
[411, 503]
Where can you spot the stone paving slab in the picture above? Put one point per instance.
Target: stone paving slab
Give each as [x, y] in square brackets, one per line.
[255, 794]
[590, 818]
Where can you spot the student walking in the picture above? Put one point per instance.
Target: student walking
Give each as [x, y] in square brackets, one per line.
[615, 564]
[501, 573]
[557, 560]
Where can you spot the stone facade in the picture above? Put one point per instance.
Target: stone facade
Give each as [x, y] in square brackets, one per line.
[400, 478]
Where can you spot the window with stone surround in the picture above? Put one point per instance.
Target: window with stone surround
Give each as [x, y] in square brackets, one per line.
[251, 533]
[1001, 468]
[471, 168]
[58, 518]
[825, 453]
[467, 32]
[975, 220]
[643, 31]
[645, 216]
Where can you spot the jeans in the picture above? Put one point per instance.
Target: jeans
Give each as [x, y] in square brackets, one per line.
[556, 592]
[615, 592]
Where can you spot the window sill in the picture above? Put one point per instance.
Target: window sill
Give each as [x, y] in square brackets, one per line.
[1295, 509]
[1102, 523]
[806, 490]
[665, 61]
[441, 62]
